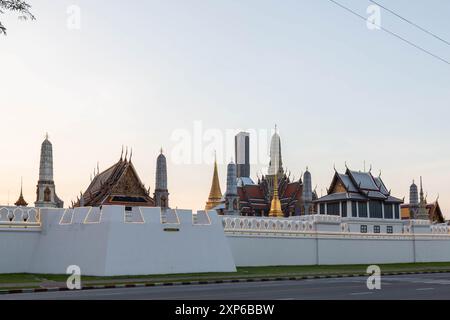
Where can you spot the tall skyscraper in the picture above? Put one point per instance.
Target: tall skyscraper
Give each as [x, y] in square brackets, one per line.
[45, 193]
[242, 150]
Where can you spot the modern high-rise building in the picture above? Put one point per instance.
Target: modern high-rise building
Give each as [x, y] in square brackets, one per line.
[242, 150]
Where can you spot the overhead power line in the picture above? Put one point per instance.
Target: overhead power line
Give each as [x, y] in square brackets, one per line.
[412, 23]
[392, 33]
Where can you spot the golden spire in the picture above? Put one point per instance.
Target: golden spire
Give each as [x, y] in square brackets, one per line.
[21, 202]
[275, 207]
[215, 195]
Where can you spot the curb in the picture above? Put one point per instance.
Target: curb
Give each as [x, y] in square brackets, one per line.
[186, 283]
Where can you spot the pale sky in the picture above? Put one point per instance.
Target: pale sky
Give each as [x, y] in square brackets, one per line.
[139, 73]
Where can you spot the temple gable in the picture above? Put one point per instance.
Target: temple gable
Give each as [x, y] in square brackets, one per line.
[129, 184]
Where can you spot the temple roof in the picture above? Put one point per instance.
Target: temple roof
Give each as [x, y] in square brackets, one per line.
[434, 211]
[244, 181]
[21, 201]
[119, 184]
[356, 185]
[256, 196]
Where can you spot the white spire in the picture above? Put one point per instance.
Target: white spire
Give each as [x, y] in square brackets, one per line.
[276, 164]
[46, 161]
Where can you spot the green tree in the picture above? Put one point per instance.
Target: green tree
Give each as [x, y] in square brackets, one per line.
[18, 6]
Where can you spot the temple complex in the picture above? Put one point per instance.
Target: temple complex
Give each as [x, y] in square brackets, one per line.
[274, 194]
[420, 208]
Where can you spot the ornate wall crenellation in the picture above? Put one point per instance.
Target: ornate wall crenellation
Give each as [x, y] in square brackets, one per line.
[19, 217]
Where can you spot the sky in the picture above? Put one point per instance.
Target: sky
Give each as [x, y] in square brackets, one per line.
[185, 75]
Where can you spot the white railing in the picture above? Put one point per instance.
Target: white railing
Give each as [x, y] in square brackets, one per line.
[258, 224]
[18, 217]
[440, 229]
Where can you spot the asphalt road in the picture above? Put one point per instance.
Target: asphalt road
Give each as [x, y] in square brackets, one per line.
[420, 286]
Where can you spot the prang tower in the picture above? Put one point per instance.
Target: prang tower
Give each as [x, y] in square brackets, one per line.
[161, 194]
[231, 195]
[45, 194]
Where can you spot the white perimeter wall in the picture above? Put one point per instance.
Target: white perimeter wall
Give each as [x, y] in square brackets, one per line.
[271, 242]
[110, 246]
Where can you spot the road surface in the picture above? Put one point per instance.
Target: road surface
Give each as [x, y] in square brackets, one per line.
[419, 286]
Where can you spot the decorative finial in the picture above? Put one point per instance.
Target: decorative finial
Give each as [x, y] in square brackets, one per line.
[370, 170]
[126, 153]
[346, 167]
[379, 176]
[334, 167]
[162, 151]
[46, 136]
[131, 154]
[121, 155]
[98, 168]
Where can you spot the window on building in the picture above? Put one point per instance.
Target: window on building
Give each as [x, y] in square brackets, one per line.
[363, 228]
[322, 208]
[389, 229]
[333, 209]
[362, 207]
[397, 211]
[376, 209]
[388, 211]
[344, 209]
[376, 229]
[354, 210]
